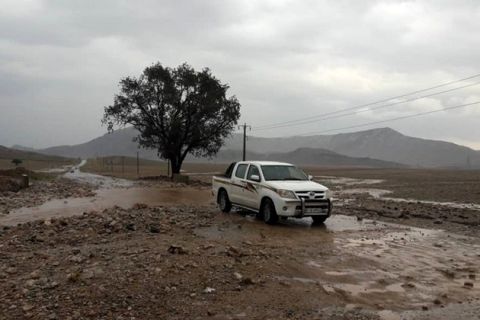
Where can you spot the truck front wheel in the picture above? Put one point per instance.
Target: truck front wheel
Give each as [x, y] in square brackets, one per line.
[269, 213]
[224, 202]
[319, 219]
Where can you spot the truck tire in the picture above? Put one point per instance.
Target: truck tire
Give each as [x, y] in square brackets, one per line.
[319, 219]
[224, 201]
[269, 213]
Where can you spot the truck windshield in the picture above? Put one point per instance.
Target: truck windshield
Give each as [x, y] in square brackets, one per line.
[279, 172]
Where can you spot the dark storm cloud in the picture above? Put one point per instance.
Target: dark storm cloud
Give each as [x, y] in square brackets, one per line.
[60, 61]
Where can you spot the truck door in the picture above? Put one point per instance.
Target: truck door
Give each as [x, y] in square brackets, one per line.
[251, 193]
[238, 184]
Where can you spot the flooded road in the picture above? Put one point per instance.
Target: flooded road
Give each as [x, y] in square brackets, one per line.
[107, 198]
[386, 267]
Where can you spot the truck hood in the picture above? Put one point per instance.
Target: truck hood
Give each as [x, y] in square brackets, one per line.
[297, 185]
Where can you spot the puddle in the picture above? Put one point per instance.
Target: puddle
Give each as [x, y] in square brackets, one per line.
[376, 193]
[61, 169]
[380, 194]
[107, 198]
[347, 181]
[96, 180]
[235, 226]
[388, 315]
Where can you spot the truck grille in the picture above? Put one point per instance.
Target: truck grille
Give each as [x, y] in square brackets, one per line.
[310, 195]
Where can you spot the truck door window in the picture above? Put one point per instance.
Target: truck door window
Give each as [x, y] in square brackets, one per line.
[253, 170]
[228, 173]
[241, 169]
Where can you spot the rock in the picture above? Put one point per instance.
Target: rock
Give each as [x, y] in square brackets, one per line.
[138, 206]
[27, 307]
[247, 281]
[73, 277]
[130, 227]
[30, 283]
[154, 229]
[176, 249]
[437, 222]
[210, 313]
[237, 276]
[468, 284]
[35, 275]
[437, 301]
[209, 290]
[233, 252]
[76, 259]
[11, 270]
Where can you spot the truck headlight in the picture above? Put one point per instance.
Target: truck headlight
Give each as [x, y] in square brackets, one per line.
[328, 194]
[287, 194]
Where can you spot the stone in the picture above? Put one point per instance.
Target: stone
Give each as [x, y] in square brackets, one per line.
[154, 229]
[247, 281]
[209, 290]
[176, 249]
[237, 276]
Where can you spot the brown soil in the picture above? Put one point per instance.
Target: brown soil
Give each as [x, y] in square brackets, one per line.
[420, 184]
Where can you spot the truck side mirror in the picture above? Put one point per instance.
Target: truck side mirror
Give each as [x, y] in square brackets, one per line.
[255, 177]
[310, 177]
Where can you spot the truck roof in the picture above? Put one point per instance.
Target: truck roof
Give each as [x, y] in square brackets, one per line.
[267, 163]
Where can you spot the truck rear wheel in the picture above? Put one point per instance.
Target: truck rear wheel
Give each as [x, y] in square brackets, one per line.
[224, 202]
[269, 213]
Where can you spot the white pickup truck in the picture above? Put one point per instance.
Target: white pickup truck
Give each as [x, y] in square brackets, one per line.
[272, 190]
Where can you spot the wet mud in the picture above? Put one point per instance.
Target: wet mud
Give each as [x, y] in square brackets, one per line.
[384, 267]
[107, 198]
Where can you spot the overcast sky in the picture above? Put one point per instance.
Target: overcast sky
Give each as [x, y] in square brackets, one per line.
[60, 61]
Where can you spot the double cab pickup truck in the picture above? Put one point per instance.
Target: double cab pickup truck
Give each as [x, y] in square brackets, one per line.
[272, 190]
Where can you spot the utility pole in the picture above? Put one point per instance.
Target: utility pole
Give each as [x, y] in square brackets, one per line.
[138, 165]
[245, 139]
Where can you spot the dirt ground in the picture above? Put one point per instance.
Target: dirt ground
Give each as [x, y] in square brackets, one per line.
[196, 263]
[419, 184]
[173, 255]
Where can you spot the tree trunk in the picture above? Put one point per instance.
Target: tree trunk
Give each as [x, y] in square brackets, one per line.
[176, 165]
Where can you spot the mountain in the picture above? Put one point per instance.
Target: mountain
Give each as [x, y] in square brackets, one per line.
[118, 143]
[382, 144]
[309, 156]
[22, 148]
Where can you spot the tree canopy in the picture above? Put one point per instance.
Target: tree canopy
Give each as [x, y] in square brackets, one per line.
[177, 111]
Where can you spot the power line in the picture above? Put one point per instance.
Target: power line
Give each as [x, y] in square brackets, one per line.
[369, 109]
[392, 119]
[369, 104]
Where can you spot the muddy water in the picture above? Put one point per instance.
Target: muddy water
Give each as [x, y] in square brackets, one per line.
[107, 198]
[381, 195]
[368, 264]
